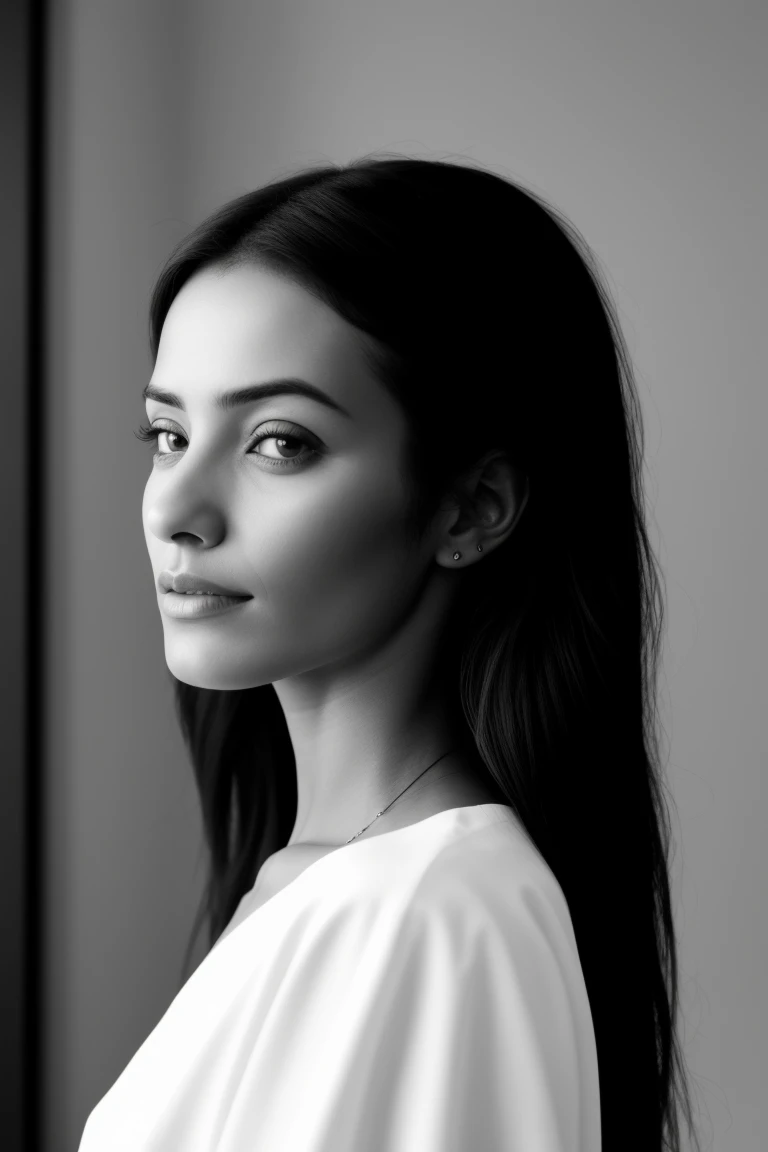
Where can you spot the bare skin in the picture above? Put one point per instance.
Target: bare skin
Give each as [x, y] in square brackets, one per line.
[346, 610]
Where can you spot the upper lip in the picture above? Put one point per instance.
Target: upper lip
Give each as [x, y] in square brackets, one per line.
[189, 582]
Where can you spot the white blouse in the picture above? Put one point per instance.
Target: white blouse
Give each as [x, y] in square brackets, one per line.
[418, 991]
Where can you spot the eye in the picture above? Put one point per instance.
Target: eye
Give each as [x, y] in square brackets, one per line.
[284, 441]
[280, 435]
[151, 432]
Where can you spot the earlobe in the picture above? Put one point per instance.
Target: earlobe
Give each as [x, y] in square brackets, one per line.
[457, 555]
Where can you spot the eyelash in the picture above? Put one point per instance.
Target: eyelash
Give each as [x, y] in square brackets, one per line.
[151, 432]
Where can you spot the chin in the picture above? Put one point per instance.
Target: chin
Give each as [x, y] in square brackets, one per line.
[203, 680]
[203, 670]
[219, 666]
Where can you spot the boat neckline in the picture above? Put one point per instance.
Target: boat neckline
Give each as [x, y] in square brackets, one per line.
[404, 831]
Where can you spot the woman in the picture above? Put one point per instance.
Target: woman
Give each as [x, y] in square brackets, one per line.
[413, 618]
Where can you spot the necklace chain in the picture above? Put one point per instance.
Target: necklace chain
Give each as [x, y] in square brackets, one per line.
[399, 795]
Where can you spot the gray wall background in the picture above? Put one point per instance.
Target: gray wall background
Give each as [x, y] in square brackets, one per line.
[645, 123]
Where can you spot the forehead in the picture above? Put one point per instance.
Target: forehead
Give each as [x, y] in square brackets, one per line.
[225, 329]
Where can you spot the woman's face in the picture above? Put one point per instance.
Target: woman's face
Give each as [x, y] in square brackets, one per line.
[312, 528]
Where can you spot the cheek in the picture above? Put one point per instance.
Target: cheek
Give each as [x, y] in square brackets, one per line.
[334, 566]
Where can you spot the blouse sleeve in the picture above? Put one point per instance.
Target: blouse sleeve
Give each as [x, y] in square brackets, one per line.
[454, 1024]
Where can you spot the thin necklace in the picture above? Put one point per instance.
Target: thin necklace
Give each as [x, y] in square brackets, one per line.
[398, 797]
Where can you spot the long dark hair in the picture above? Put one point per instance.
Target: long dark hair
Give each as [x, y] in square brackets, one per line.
[489, 323]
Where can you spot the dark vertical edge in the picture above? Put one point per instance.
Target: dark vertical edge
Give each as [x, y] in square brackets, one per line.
[17, 770]
[35, 624]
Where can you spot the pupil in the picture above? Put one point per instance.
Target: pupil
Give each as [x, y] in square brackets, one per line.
[281, 440]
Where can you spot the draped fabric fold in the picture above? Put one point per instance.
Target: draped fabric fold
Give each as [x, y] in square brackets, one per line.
[419, 991]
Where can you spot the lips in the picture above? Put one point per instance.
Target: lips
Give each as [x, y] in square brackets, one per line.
[184, 582]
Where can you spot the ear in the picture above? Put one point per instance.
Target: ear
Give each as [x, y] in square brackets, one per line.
[488, 502]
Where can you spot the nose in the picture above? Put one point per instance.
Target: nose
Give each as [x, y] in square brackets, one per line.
[183, 514]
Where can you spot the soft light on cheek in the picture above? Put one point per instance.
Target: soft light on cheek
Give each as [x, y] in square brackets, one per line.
[349, 526]
[338, 561]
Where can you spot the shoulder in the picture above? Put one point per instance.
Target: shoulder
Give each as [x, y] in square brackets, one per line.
[474, 902]
[483, 888]
[493, 886]
[478, 942]
[488, 932]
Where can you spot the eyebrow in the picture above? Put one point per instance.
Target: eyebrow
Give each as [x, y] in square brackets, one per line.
[287, 386]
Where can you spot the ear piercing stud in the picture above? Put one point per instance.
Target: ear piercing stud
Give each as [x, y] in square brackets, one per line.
[457, 555]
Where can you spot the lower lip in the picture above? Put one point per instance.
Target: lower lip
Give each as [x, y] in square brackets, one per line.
[193, 607]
